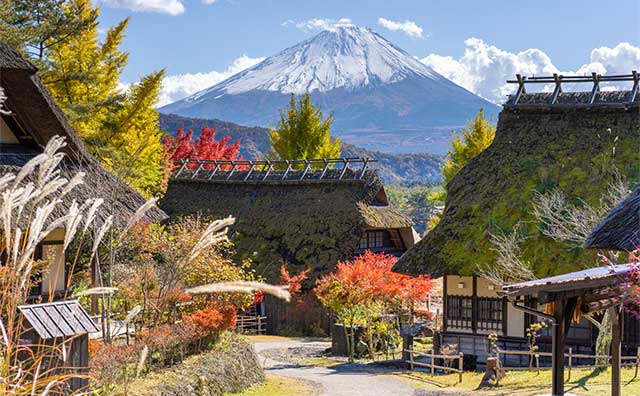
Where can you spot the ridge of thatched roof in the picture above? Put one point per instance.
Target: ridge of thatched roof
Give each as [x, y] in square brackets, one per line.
[310, 223]
[36, 113]
[620, 229]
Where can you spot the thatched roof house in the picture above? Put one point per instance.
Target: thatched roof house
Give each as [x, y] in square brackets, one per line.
[537, 147]
[34, 120]
[310, 223]
[544, 141]
[620, 230]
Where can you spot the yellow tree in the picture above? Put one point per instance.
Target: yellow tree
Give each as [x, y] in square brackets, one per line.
[303, 133]
[120, 127]
[473, 140]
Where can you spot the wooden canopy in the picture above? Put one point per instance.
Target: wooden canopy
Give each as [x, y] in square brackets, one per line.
[587, 291]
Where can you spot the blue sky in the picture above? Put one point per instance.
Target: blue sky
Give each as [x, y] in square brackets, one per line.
[189, 36]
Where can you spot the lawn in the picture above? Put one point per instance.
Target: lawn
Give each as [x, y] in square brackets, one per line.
[278, 386]
[525, 383]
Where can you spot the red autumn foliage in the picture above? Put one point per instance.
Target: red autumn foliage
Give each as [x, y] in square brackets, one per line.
[294, 282]
[184, 147]
[369, 278]
[213, 320]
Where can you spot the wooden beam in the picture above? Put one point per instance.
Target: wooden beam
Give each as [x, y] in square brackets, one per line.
[557, 342]
[616, 344]
[474, 304]
[444, 303]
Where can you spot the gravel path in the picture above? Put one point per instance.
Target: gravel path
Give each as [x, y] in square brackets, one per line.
[348, 379]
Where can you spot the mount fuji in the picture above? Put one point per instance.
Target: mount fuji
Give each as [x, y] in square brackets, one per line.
[381, 97]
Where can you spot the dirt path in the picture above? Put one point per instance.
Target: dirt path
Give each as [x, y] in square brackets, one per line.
[348, 379]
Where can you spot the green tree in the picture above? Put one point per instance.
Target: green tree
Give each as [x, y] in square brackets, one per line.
[474, 139]
[121, 127]
[303, 133]
[36, 26]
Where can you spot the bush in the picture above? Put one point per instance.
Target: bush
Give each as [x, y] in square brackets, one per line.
[231, 366]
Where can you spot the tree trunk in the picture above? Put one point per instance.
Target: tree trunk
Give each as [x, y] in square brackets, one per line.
[603, 342]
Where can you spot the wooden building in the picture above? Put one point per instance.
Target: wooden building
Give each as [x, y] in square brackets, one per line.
[305, 214]
[33, 120]
[542, 140]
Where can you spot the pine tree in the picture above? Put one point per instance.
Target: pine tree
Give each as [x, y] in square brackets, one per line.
[303, 133]
[120, 128]
[474, 139]
[36, 26]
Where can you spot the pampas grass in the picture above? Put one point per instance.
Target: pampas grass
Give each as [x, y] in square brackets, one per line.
[97, 291]
[241, 287]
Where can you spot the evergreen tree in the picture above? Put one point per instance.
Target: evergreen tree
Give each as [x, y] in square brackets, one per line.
[36, 26]
[473, 140]
[120, 128]
[303, 133]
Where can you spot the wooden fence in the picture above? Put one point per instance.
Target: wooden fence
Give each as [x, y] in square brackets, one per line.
[251, 324]
[633, 361]
[433, 366]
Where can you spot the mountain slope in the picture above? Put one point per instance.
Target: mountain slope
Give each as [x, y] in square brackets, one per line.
[372, 87]
[393, 168]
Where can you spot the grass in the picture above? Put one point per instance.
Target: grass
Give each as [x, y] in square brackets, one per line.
[269, 338]
[278, 386]
[525, 383]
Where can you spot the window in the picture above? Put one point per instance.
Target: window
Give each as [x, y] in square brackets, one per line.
[489, 313]
[459, 311]
[372, 240]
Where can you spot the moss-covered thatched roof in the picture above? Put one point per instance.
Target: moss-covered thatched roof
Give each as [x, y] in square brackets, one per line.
[536, 149]
[620, 230]
[39, 119]
[307, 224]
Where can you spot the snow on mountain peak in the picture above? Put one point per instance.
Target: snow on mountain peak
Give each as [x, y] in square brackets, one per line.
[346, 56]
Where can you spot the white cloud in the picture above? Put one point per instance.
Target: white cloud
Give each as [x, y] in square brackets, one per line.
[484, 68]
[208, 2]
[171, 7]
[180, 86]
[319, 24]
[407, 27]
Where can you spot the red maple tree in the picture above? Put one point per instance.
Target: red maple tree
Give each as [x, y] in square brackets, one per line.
[182, 146]
[293, 282]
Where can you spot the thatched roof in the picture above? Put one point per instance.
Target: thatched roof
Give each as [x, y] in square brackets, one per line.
[536, 148]
[620, 230]
[36, 118]
[310, 223]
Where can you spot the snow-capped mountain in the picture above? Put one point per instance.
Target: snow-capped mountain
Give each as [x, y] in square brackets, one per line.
[371, 86]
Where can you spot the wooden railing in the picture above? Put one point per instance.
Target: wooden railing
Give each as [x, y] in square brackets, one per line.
[433, 366]
[274, 170]
[251, 324]
[633, 361]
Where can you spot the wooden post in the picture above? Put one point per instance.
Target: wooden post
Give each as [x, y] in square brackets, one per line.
[460, 361]
[635, 375]
[557, 357]
[570, 362]
[614, 314]
[410, 359]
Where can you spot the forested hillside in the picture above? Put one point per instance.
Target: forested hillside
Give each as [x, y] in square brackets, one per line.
[423, 168]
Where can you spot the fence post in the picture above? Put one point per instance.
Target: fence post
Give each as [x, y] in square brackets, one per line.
[410, 359]
[460, 355]
[635, 375]
[570, 362]
[433, 363]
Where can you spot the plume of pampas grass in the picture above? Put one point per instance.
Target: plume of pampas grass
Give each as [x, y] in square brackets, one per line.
[241, 287]
[140, 213]
[143, 358]
[100, 235]
[94, 291]
[91, 214]
[215, 232]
